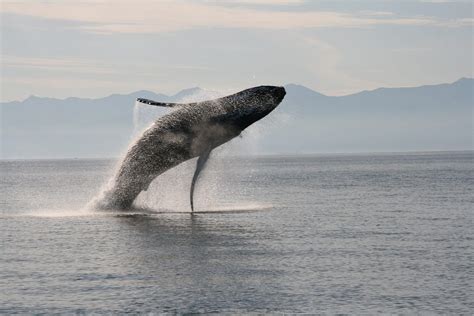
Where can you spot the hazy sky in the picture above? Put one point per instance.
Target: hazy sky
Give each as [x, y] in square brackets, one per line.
[97, 47]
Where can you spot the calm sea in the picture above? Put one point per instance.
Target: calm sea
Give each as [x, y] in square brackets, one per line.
[363, 234]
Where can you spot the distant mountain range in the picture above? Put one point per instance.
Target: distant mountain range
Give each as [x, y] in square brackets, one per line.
[435, 117]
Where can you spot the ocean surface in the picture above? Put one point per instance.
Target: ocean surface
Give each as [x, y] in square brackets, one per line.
[356, 234]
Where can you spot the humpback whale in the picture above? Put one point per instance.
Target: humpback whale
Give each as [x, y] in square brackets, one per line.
[192, 130]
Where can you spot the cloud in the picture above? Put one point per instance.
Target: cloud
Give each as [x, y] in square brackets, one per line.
[74, 76]
[90, 66]
[458, 22]
[376, 13]
[440, 1]
[145, 16]
[259, 2]
[57, 64]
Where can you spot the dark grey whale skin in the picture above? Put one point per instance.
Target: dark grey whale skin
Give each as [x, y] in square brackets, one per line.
[190, 131]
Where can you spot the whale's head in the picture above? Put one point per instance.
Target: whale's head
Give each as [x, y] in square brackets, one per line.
[251, 105]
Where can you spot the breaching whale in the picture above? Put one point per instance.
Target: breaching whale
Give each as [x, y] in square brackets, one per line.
[192, 130]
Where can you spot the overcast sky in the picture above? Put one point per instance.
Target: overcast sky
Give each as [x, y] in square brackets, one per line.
[95, 48]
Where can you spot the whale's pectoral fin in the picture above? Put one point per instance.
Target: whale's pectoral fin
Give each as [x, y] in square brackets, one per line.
[164, 104]
[201, 163]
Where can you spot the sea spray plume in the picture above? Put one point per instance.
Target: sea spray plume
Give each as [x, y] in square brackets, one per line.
[192, 130]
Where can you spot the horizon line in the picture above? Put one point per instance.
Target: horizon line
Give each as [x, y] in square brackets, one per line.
[262, 155]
